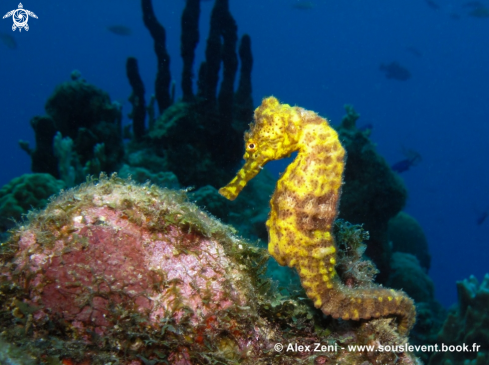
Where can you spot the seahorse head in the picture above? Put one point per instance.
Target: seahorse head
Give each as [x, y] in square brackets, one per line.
[273, 135]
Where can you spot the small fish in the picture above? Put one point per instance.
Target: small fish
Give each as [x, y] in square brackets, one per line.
[395, 71]
[412, 159]
[120, 30]
[414, 51]
[8, 40]
[303, 5]
[432, 4]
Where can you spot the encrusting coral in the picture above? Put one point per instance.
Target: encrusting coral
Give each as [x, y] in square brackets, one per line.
[121, 273]
[304, 207]
[118, 262]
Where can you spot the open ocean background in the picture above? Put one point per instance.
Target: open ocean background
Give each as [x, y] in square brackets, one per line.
[320, 58]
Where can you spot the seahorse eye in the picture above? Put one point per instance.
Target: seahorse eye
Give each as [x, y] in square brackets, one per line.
[251, 147]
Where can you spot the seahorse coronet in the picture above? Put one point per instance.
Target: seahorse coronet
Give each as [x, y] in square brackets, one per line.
[304, 207]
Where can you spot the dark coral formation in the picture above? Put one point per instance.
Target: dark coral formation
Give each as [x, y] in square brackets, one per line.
[163, 77]
[200, 136]
[42, 157]
[243, 101]
[407, 236]
[81, 133]
[228, 31]
[114, 272]
[138, 114]
[189, 40]
[372, 193]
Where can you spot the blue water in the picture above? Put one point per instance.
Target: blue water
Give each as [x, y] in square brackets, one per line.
[320, 59]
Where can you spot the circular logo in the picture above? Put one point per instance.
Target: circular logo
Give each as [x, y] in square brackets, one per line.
[278, 347]
[20, 17]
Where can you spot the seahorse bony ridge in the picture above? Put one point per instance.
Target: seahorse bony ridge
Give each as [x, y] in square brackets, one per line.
[304, 207]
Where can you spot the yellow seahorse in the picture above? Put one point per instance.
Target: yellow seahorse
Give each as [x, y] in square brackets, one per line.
[304, 207]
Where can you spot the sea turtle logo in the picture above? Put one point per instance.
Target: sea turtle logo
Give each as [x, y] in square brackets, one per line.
[20, 17]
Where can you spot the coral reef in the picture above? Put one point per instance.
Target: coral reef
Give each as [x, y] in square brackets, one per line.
[23, 193]
[114, 272]
[372, 193]
[467, 324]
[90, 125]
[304, 207]
[407, 235]
[182, 140]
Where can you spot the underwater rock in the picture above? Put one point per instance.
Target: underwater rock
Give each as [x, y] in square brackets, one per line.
[23, 193]
[407, 235]
[114, 272]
